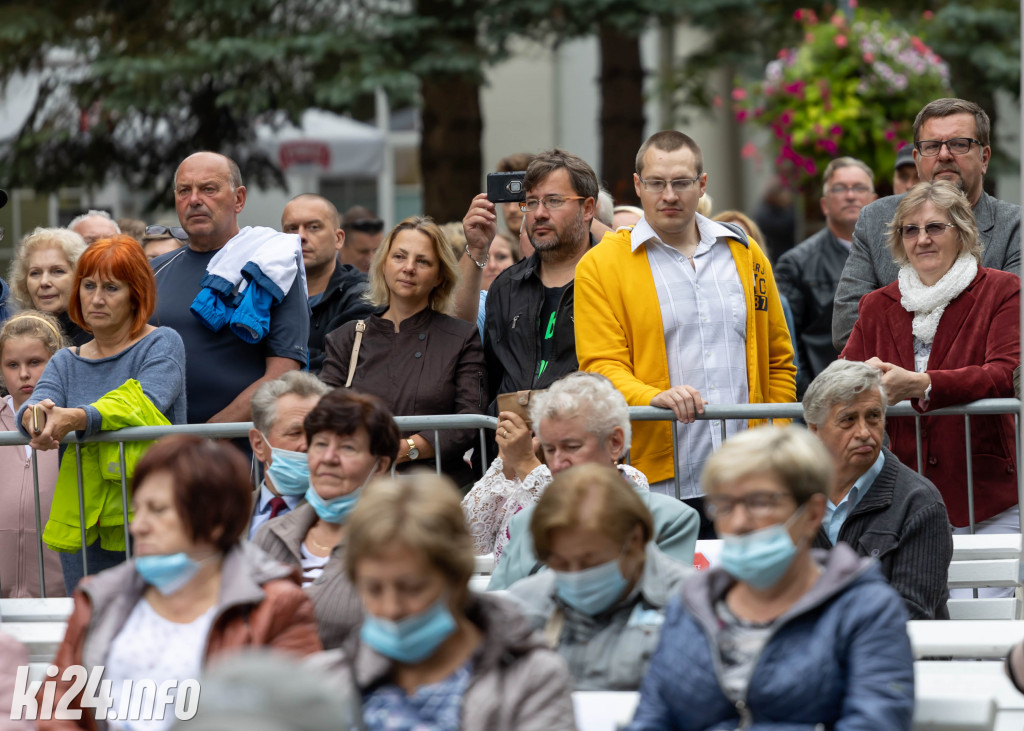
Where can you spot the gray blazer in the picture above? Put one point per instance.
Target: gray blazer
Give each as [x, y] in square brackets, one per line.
[870, 266]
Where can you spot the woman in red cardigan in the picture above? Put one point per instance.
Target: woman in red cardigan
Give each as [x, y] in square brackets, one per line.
[947, 332]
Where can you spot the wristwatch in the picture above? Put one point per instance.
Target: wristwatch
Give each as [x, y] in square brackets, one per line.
[414, 452]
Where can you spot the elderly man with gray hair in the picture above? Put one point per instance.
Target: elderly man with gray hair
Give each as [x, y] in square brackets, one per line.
[278, 441]
[94, 225]
[581, 419]
[879, 506]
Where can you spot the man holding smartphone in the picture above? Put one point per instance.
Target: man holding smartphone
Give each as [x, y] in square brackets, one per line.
[529, 341]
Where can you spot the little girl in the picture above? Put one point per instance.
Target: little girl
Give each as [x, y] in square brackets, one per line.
[27, 341]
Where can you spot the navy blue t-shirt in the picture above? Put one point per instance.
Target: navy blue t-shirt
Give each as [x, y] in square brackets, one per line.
[219, 365]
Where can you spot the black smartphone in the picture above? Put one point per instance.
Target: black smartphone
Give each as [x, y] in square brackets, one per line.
[506, 187]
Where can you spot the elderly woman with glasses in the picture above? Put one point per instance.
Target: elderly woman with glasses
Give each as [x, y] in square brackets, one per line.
[779, 635]
[947, 332]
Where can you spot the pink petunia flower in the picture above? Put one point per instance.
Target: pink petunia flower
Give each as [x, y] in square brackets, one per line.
[841, 40]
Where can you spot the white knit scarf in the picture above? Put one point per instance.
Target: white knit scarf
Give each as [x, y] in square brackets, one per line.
[928, 303]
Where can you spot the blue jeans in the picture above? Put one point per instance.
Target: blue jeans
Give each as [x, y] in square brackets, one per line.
[99, 560]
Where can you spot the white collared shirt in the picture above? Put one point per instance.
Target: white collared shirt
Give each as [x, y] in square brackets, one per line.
[704, 314]
[836, 515]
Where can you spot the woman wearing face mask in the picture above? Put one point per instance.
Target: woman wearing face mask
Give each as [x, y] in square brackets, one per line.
[431, 654]
[779, 634]
[192, 591]
[350, 438]
[602, 605]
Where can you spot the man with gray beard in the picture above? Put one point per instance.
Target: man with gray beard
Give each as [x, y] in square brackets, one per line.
[529, 340]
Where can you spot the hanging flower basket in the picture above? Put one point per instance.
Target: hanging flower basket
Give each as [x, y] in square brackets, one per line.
[853, 87]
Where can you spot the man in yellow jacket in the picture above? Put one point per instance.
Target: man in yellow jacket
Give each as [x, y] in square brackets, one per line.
[680, 311]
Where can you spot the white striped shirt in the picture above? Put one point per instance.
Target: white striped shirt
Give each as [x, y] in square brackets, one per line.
[704, 314]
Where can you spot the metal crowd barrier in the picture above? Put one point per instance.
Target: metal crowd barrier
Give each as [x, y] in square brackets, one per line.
[904, 408]
[234, 430]
[436, 424]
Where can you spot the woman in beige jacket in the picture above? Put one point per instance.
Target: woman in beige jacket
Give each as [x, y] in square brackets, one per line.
[430, 653]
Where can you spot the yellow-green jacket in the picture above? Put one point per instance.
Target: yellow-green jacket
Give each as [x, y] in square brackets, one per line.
[125, 406]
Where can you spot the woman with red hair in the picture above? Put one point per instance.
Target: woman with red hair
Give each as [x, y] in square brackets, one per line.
[113, 297]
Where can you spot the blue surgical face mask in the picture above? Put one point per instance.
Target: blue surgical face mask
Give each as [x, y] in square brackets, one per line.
[168, 572]
[761, 557]
[336, 510]
[592, 590]
[288, 470]
[413, 638]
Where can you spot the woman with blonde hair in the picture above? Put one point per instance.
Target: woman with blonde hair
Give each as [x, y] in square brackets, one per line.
[42, 276]
[430, 653]
[27, 342]
[947, 332]
[779, 634]
[411, 353]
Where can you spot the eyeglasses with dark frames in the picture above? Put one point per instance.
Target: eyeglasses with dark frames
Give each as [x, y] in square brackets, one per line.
[366, 225]
[157, 231]
[957, 146]
[760, 504]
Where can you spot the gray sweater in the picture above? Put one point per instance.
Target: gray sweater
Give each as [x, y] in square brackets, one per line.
[157, 362]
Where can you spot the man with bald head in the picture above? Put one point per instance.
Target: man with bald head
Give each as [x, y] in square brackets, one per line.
[335, 289]
[222, 371]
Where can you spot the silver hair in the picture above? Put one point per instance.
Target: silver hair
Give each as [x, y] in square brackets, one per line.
[264, 399]
[841, 383]
[590, 395]
[89, 214]
[605, 211]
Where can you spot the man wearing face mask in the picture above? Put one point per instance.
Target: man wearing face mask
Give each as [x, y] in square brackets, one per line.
[602, 604]
[779, 634]
[279, 443]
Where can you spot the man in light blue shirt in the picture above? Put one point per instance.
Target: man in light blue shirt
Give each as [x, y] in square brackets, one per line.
[278, 441]
[877, 505]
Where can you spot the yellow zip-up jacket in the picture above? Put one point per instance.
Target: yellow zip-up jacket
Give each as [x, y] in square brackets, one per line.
[619, 334]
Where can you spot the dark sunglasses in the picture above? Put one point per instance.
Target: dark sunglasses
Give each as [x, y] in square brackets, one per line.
[367, 225]
[157, 232]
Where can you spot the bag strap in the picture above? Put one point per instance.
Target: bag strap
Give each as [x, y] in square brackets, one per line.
[360, 329]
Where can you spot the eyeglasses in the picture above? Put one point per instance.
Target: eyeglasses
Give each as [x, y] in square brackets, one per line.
[366, 225]
[679, 185]
[157, 232]
[760, 504]
[840, 189]
[957, 145]
[933, 229]
[551, 202]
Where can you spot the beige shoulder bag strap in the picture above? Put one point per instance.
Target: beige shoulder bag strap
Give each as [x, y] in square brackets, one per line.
[360, 329]
[553, 628]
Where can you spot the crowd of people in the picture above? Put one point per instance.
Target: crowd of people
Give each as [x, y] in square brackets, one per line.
[343, 549]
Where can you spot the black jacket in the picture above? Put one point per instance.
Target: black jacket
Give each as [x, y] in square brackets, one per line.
[342, 302]
[512, 337]
[807, 275]
[902, 522]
